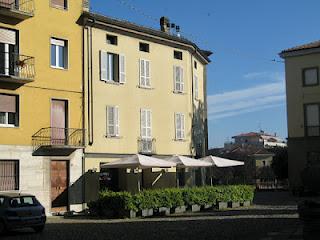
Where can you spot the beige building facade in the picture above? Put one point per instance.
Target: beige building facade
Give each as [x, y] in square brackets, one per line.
[145, 92]
[303, 107]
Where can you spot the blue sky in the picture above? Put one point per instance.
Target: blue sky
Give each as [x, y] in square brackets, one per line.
[246, 89]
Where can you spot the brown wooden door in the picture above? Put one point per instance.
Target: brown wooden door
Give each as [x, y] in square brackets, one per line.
[59, 185]
[58, 122]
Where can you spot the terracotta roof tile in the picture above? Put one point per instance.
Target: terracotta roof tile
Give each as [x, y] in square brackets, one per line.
[311, 45]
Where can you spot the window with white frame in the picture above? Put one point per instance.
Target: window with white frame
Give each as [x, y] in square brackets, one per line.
[113, 126]
[196, 87]
[145, 79]
[59, 53]
[145, 122]
[112, 67]
[310, 76]
[9, 110]
[312, 120]
[178, 79]
[180, 126]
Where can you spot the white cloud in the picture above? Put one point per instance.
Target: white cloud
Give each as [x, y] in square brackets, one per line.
[269, 76]
[253, 99]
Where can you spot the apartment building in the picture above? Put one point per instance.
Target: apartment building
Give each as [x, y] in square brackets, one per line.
[303, 107]
[145, 92]
[41, 127]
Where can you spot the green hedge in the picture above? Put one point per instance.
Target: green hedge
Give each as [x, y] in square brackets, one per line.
[115, 203]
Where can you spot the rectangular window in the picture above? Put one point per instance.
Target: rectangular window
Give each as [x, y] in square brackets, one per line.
[59, 53]
[60, 3]
[178, 79]
[196, 87]
[145, 122]
[312, 123]
[195, 64]
[145, 79]
[113, 127]
[177, 55]
[144, 47]
[9, 110]
[111, 39]
[9, 175]
[310, 76]
[112, 67]
[180, 126]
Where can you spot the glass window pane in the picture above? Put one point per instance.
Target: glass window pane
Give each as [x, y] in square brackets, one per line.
[11, 118]
[312, 115]
[53, 55]
[3, 118]
[310, 76]
[61, 57]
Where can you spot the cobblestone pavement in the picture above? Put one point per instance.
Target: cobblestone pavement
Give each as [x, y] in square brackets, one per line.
[264, 221]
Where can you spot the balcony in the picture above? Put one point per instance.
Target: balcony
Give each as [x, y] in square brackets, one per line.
[86, 5]
[147, 146]
[16, 68]
[57, 141]
[17, 9]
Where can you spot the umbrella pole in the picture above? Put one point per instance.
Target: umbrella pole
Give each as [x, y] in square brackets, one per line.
[139, 187]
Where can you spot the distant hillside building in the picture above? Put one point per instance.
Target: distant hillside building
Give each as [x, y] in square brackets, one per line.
[259, 139]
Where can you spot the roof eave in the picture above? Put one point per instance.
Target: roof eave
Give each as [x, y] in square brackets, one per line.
[295, 53]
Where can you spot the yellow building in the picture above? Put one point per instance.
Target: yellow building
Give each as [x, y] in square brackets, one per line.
[41, 136]
[302, 65]
[145, 92]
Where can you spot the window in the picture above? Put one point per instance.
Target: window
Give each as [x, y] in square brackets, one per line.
[9, 110]
[60, 3]
[112, 67]
[195, 64]
[144, 47]
[313, 158]
[113, 121]
[196, 87]
[312, 124]
[111, 39]
[178, 79]
[9, 175]
[310, 76]
[145, 80]
[177, 55]
[1, 201]
[179, 121]
[59, 53]
[145, 122]
[7, 49]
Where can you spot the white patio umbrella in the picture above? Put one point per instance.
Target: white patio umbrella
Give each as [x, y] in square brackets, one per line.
[222, 162]
[186, 162]
[139, 161]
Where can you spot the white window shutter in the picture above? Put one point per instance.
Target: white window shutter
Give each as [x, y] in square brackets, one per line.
[110, 121]
[103, 66]
[174, 78]
[196, 87]
[149, 124]
[117, 121]
[181, 80]
[142, 73]
[122, 69]
[110, 74]
[143, 123]
[147, 71]
[182, 126]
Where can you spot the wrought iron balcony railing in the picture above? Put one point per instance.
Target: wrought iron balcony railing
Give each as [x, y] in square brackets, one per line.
[25, 7]
[147, 146]
[17, 66]
[86, 4]
[58, 138]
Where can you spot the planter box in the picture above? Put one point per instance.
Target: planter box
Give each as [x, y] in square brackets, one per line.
[222, 205]
[207, 206]
[235, 204]
[246, 204]
[195, 208]
[127, 214]
[180, 209]
[164, 211]
[147, 212]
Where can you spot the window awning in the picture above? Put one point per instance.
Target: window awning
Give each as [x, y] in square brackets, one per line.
[7, 103]
[7, 36]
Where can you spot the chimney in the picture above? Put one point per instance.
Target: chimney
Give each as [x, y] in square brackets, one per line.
[165, 24]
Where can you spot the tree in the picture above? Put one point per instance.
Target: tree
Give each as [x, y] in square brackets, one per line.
[280, 162]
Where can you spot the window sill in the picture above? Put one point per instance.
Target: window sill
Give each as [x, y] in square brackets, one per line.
[112, 82]
[180, 140]
[145, 87]
[179, 93]
[58, 7]
[113, 137]
[7, 126]
[59, 68]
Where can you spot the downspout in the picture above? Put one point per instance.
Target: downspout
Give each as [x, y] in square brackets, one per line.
[83, 119]
[91, 83]
[192, 106]
[205, 106]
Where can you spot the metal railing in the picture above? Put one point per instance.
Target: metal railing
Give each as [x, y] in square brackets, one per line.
[23, 6]
[86, 4]
[147, 146]
[58, 137]
[17, 65]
